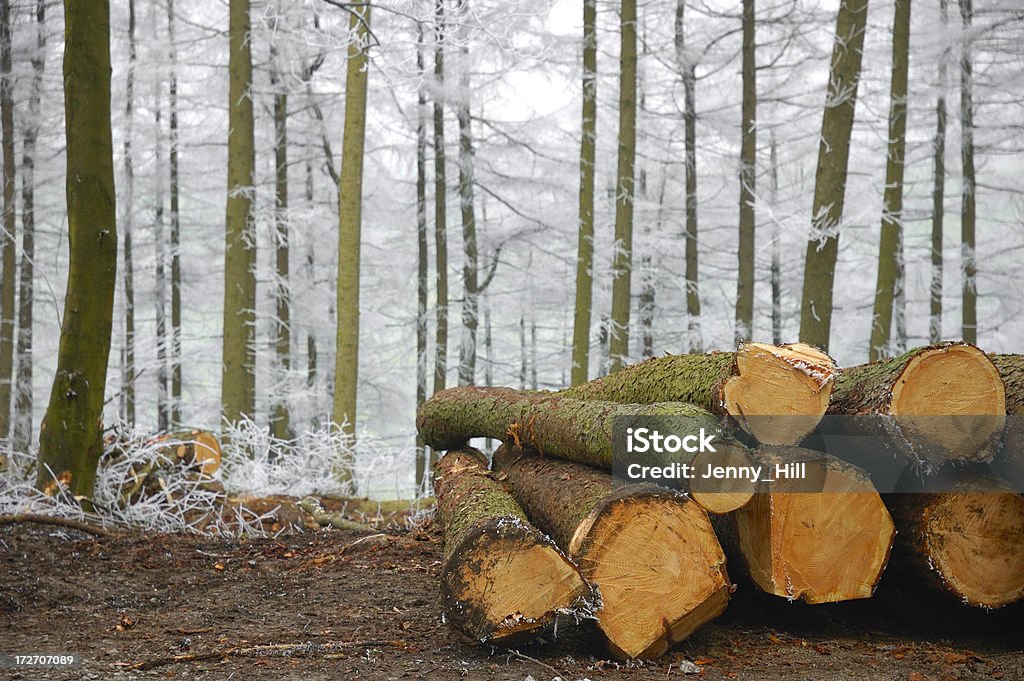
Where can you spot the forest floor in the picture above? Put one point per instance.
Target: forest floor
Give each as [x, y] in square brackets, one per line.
[325, 605]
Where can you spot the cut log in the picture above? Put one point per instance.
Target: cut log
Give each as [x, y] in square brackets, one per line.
[651, 552]
[193, 447]
[967, 542]
[928, 406]
[821, 538]
[777, 393]
[580, 431]
[1009, 461]
[501, 578]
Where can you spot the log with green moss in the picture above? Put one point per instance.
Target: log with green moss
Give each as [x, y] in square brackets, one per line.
[651, 552]
[1009, 461]
[966, 541]
[501, 578]
[925, 407]
[778, 393]
[816, 530]
[581, 431]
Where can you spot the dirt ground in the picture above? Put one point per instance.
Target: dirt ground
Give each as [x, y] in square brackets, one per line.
[169, 606]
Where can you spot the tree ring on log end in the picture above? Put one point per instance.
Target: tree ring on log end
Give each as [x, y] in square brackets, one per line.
[781, 392]
[951, 397]
[506, 580]
[659, 567]
[975, 542]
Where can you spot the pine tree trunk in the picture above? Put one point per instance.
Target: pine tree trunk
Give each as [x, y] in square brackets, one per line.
[625, 192]
[776, 393]
[24, 399]
[890, 249]
[776, 252]
[470, 290]
[927, 406]
[966, 542]
[748, 175]
[8, 279]
[238, 374]
[821, 538]
[577, 430]
[175, 206]
[163, 407]
[501, 579]
[127, 219]
[280, 416]
[968, 264]
[689, 77]
[830, 178]
[440, 206]
[70, 440]
[350, 206]
[938, 195]
[585, 243]
[422, 266]
[651, 552]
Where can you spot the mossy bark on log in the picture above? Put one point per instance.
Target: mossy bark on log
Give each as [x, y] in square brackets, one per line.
[821, 538]
[651, 552]
[1009, 461]
[929, 405]
[967, 541]
[501, 579]
[777, 393]
[577, 430]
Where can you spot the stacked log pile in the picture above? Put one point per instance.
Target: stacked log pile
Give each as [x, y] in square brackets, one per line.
[656, 557]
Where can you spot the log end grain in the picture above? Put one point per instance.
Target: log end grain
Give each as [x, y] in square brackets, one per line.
[659, 567]
[506, 580]
[951, 396]
[970, 541]
[779, 392]
[501, 578]
[821, 546]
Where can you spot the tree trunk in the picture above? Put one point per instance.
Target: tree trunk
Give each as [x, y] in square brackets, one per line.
[501, 579]
[928, 406]
[687, 69]
[821, 538]
[238, 395]
[830, 178]
[748, 175]
[280, 415]
[582, 431]
[622, 262]
[163, 407]
[175, 205]
[350, 206]
[776, 393]
[776, 252]
[440, 206]
[651, 552]
[585, 244]
[938, 195]
[8, 279]
[24, 398]
[422, 266]
[128, 217]
[470, 288]
[966, 542]
[890, 249]
[968, 264]
[70, 440]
